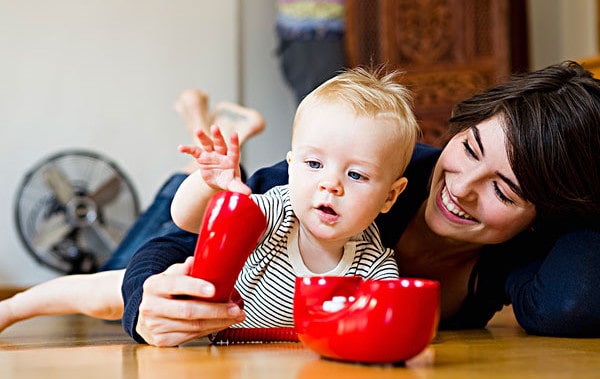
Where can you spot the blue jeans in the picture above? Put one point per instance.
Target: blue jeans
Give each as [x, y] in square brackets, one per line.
[153, 222]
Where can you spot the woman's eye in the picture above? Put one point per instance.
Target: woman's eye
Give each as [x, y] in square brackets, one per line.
[313, 164]
[501, 194]
[355, 175]
[468, 149]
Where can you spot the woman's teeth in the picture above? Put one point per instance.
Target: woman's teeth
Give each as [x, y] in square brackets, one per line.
[453, 208]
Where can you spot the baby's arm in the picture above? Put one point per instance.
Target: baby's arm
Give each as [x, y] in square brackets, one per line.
[218, 170]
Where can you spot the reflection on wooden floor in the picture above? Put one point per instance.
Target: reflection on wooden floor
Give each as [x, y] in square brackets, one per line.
[81, 347]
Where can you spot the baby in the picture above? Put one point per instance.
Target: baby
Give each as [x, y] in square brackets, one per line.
[352, 139]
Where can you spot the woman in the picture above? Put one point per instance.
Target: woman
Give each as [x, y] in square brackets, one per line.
[506, 213]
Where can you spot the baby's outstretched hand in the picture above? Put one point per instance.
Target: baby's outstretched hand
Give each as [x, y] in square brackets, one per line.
[219, 164]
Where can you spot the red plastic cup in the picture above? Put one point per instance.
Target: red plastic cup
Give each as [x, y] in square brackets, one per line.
[376, 321]
[232, 226]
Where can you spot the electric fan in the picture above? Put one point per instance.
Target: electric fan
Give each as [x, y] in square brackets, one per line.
[73, 208]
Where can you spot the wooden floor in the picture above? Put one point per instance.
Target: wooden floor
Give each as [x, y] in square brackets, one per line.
[80, 347]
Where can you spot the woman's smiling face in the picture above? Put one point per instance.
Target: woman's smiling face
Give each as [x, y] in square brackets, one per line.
[475, 196]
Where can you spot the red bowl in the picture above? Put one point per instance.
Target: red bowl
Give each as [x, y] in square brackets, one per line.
[368, 321]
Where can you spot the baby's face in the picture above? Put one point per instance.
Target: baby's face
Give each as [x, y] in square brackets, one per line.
[340, 173]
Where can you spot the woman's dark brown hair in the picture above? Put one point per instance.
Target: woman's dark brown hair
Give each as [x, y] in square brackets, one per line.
[552, 122]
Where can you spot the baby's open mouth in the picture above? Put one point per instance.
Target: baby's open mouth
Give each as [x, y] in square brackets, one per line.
[327, 210]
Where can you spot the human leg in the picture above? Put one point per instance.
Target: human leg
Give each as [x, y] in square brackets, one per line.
[153, 222]
[96, 295]
[192, 106]
[232, 117]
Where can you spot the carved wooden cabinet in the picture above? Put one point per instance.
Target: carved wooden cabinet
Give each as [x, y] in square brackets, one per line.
[449, 49]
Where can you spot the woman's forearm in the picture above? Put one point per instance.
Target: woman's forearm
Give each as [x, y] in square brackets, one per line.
[559, 296]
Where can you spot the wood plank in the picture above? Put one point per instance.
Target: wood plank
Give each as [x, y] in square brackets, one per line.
[81, 347]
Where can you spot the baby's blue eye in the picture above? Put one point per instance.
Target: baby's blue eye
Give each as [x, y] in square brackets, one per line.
[355, 175]
[313, 164]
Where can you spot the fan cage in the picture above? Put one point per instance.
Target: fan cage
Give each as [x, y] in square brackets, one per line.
[36, 203]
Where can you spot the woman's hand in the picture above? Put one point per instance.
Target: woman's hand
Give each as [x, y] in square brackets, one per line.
[219, 164]
[172, 310]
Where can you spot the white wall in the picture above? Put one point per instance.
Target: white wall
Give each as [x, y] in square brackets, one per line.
[103, 75]
[264, 87]
[562, 29]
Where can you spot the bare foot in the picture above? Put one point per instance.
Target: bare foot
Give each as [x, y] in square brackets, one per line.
[192, 106]
[231, 118]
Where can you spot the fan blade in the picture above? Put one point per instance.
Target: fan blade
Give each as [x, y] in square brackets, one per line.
[51, 232]
[97, 240]
[58, 183]
[108, 191]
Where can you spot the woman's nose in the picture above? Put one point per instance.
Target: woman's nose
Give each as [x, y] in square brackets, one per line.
[464, 185]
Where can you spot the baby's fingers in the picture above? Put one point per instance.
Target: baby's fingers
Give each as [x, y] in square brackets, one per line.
[218, 140]
[234, 147]
[194, 151]
[205, 140]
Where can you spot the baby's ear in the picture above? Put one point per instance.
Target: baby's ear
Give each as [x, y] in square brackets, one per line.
[288, 158]
[397, 188]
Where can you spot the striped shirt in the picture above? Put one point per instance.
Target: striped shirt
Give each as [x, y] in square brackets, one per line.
[267, 280]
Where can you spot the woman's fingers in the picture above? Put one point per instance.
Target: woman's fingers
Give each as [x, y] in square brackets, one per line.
[178, 322]
[183, 332]
[173, 309]
[187, 308]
